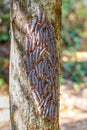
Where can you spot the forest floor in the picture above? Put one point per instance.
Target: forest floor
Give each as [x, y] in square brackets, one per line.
[73, 108]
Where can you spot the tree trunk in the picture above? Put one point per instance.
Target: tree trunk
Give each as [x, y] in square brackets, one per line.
[22, 105]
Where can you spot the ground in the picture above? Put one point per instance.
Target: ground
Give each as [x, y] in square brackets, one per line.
[73, 108]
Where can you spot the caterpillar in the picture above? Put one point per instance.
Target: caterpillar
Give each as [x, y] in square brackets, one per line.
[41, 65]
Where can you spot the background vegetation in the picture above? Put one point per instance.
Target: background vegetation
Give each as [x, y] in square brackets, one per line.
[4, 44]
[74, 41]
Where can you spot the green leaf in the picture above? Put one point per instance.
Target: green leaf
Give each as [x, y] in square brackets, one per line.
[4, 37]
[1, 82]
[5, 16]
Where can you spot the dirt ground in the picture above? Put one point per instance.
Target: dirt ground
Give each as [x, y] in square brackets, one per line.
[73, 109]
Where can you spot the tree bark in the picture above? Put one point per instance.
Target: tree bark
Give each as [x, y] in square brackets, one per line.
[22, 107]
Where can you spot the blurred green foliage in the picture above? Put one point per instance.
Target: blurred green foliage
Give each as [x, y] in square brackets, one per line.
[4, 41]
[75, 71]
[4, 35]
[5, 16]
[73, 16]
[1, 82]
[83, 10]
[3, 70]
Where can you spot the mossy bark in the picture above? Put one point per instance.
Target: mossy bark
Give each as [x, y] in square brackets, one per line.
[22, 107]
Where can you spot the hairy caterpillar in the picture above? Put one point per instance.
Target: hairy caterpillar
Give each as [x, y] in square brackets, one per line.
[42, 65]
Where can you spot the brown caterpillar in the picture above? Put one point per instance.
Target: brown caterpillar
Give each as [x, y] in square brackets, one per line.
[42, 65]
